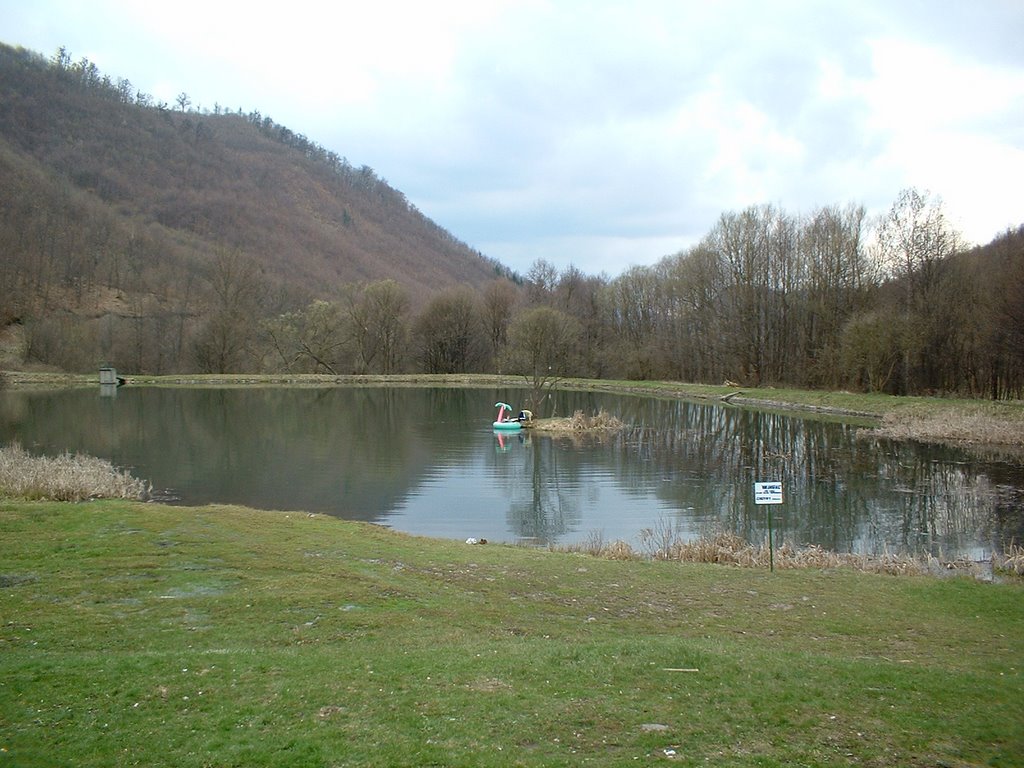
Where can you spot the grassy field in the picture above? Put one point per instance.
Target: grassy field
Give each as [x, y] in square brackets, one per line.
[140, 634]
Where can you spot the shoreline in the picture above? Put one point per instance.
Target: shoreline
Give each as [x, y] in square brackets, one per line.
[78, 478]
[953, 421]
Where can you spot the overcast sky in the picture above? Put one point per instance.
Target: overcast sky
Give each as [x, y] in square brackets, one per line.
[599, 134]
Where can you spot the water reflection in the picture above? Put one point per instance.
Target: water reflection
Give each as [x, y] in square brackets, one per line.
[543, 486]
[843, 493]
[426, 461]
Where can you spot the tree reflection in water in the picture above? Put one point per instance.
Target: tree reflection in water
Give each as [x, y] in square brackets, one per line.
[425, 460]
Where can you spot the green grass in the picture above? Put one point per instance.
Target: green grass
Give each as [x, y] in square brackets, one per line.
[135, 634]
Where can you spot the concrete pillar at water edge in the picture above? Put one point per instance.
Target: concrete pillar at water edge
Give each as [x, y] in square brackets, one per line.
[108, 381]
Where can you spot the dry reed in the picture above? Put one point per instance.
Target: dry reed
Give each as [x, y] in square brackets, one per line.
[730, 549]
[580, 425]
[1011, 561]
[595, 545]
[666, 542]
[602, 420]
[65, 478]
[953, 425]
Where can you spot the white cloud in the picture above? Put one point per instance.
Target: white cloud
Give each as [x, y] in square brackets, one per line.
[950, 126]
[609, 133]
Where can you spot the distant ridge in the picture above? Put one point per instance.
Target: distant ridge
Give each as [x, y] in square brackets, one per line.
[100, 186]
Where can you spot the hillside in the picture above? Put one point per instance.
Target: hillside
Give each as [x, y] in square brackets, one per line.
[102, 190]
[162, 239]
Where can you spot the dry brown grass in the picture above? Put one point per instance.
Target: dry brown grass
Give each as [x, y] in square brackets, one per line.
[65, 478]
[595, 545]
[730, 549]
[1011, 561]
[954, 425]
[665, 542]
[580, 423]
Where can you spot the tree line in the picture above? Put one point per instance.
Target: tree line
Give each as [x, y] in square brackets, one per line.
[821, 300]
[825, 299]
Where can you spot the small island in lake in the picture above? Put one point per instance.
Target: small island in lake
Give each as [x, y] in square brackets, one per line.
[578, 423]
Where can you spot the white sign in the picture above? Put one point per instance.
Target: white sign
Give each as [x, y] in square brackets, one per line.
[767, 493]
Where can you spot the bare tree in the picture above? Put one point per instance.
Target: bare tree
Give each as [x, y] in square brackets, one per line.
[692, 339]
[449, 333]
[741, 241]
[837, 276]
[541, 281]
[236, 292]
[377, 327]
[498, 300]
[311, 340]
[871, 349]
[542, 345]
[637, 312]
[570, 287]
[913, 240]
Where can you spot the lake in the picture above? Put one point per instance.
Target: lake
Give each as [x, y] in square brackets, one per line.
[426, 461]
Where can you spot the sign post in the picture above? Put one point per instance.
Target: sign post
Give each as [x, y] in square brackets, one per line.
[769, 494]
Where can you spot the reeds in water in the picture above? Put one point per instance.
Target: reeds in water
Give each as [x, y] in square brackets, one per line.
[665, 542]
[960, 425]
[602, 420]
[65, 477]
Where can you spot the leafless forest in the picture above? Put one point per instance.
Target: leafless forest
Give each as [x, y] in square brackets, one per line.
[170, 238]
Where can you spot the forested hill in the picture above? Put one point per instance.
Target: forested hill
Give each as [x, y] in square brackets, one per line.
[102, 188]
[161, 238]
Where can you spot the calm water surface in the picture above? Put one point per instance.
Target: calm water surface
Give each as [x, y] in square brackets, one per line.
[426, 461]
